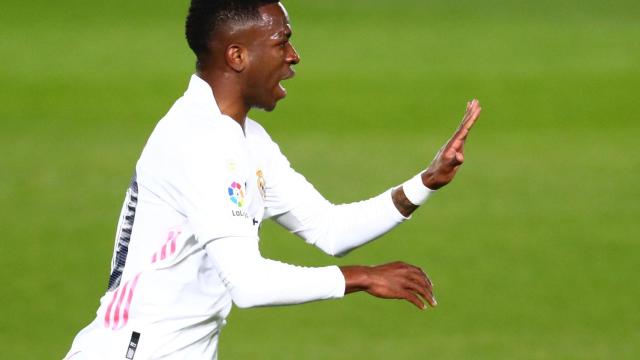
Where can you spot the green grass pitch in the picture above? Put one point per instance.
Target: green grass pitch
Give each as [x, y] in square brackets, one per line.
[533, 249]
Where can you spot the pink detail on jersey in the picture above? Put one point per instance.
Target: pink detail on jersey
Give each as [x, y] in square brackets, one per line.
[125, 316]
[116, 315]
[173, 243]
[72, 355]
[107, 316]
[172, 238]
[163, 252]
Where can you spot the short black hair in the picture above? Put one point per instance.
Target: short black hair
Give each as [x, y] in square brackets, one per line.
[206, 16]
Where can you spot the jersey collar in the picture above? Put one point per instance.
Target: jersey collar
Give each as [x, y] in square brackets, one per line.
[200, 91]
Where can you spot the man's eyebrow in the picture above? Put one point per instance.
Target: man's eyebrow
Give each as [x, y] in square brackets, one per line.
[285, 33]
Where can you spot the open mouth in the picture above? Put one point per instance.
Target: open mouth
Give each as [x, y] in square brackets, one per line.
[282, 89]
[288, 76]
[291, 73]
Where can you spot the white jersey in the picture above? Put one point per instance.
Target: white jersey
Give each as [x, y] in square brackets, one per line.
[187, 237]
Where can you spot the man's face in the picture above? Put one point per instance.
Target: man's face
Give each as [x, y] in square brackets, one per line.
[271, 57]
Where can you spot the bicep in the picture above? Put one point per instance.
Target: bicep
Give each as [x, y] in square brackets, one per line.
[295, 204]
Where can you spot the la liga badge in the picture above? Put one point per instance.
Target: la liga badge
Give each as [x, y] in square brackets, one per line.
[236, 194]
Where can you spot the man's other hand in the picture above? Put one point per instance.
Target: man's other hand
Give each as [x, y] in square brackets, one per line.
[395, 280]
[445, 165]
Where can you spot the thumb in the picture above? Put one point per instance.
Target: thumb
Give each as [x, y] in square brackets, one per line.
[457, 159]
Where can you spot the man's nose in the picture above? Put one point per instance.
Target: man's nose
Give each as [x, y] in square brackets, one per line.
[293, 57]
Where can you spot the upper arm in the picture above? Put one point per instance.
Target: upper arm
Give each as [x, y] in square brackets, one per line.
[292, 201]
[209, 182]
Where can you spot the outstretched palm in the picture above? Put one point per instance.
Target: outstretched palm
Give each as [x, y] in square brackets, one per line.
[444, 166]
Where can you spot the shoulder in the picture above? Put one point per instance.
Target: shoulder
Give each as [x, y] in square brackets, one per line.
[193, 121]
[259, 136]
[254, 128]
[191, 133]
[267, 149]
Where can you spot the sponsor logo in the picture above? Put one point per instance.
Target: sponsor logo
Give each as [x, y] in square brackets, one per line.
[239, 213]
[236, 195]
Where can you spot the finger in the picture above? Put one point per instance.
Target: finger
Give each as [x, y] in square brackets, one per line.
[465, 117]
[428, 278]
[469, 114]
[422, 277]
[420, 281]
[470, 106]
[459, 158]
[463, 131]
[423, 291]
[423, 274]
[412, 298]
[474, 113]
[451, 158]
[469, 118]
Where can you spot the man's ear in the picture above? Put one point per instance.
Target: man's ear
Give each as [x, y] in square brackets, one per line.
[236, 57]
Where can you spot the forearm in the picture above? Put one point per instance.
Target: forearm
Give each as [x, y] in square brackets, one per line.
[404, 206]
[254, 281]
[413, 193]
[337, 229]
[270, 283]
[356, 278]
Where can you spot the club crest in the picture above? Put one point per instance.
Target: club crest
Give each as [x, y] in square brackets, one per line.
[261, 184]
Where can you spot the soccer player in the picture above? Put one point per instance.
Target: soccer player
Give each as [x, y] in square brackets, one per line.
[187, 241]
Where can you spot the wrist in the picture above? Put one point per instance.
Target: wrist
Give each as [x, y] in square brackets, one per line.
[417, 190]
[356, 278]
[429, 181]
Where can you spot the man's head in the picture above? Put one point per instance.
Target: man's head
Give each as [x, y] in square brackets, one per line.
[245, 42]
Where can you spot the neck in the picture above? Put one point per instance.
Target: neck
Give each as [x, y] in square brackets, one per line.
[227, 94]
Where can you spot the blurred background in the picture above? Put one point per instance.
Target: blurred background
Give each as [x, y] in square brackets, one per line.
[533, 248]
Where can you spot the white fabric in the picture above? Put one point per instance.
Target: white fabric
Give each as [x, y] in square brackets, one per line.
[415, 191]
[201, 190]
[255, 281]
[337, 229]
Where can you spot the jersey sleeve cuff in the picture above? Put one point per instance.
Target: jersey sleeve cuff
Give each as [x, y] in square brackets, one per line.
[340, 282]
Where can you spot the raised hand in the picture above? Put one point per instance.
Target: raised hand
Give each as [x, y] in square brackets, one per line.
[395, 280]
[445, 165]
